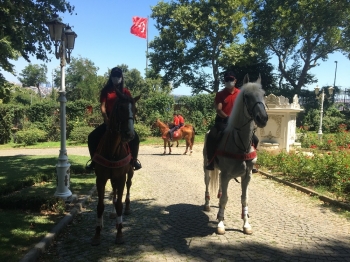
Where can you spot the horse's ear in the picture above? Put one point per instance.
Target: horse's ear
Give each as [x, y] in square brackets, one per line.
[259, 79]
[246, 79]
[137, 98]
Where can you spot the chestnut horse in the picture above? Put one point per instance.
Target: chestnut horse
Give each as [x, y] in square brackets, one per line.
[186, 132]
[112, 160]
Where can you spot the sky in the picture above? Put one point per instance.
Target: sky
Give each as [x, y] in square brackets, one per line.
[103, 29]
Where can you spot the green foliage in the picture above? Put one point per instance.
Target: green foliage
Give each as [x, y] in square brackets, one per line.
[82, 81]
[303, 32]
[331, 120]
[193, 35]
[29, 37]
[30, 136]
[80, 134]
[10, 116]
[327, 169]
[159, 104]
[198, 110]
[142, 130]
[33, 75]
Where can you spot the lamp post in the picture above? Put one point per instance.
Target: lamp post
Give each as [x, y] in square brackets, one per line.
[321, 97]
[64, 39]
[335, 73]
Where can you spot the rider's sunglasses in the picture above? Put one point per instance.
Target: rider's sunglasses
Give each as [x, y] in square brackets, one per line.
[229, 79]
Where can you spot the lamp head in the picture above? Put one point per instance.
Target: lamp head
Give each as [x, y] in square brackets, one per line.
[330, 90]
[55, 27]
[317, 90]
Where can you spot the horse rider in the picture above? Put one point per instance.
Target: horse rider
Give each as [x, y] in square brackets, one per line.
[224, 101]
[181, 120]
[108, 97]
[175, 127]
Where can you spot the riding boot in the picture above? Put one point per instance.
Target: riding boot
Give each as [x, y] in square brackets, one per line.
[134, 148]
[94, 139]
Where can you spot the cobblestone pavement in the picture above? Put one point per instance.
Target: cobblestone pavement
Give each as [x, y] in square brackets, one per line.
[168, 222]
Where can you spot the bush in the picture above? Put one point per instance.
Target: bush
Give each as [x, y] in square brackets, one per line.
[80, 134]
[143, 131]
[30, 136]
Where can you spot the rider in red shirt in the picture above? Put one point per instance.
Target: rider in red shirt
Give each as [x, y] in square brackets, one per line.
[176, 126]
[224, 101]
[181, 120]
[108, 97]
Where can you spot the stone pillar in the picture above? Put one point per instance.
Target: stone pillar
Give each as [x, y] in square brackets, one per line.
[280, 132]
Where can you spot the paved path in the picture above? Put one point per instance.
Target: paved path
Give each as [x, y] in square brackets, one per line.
[168, 224]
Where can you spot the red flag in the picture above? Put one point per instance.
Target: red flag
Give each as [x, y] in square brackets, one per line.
[139, 27]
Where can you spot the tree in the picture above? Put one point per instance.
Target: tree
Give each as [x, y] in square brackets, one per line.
[300, 34]
[23, 31]
[254, 62]
[192, 36]
[33, 75]
[82, 81]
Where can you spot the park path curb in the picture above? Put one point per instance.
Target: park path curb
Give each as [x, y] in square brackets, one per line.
[40, 247]
[307, 191]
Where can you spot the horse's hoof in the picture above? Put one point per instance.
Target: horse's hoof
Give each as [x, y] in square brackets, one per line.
[169, 153]
[112, 215]
[206, 208]
[119, 240]
[127, 211]
[221, 230]
[247, 230]
[95, 241]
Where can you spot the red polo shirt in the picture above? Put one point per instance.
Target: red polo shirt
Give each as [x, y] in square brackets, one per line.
[109, 97]
[226, 99]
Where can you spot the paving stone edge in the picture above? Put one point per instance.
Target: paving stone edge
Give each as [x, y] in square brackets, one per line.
[307, 191]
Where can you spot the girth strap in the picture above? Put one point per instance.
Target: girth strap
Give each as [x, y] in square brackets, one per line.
[246, 156]
[111, 164]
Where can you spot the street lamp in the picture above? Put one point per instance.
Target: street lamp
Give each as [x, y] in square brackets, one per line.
[64, 39]
[335, 73]
[321, 97]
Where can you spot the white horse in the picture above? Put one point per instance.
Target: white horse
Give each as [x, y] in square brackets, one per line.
[235, 154]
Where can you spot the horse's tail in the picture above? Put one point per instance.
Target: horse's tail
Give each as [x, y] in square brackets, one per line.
[193, 135]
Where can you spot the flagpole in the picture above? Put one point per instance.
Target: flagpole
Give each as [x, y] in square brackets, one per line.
[147, 46]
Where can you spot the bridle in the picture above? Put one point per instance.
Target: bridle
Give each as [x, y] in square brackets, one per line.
[250, 117]
[117, 125]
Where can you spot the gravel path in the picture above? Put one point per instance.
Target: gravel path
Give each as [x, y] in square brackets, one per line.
[168, 224]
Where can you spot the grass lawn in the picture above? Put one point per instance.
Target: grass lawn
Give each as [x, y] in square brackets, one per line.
[20, 229]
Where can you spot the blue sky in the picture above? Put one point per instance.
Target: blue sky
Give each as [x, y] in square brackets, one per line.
[103, 29]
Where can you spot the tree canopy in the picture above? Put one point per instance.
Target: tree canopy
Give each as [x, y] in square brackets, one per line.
[33, 75]
[300, 34]
[23, 31]
[192, 36]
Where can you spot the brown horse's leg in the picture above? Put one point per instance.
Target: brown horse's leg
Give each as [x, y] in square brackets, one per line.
[169, 148]
[164, 146]
[113, 214]
[119, 182]
[127, 210]
[100, 186]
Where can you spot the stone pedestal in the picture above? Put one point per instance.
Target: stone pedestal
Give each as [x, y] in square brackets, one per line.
[280, 132]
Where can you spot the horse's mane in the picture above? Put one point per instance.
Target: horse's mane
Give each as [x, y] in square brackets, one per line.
[247, 89]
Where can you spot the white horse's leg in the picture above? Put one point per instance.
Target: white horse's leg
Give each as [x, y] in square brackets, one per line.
[222, 204]
[207, 195]
[247, 229]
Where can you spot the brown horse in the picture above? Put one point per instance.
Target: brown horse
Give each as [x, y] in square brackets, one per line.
[112, 160]
[186, 132]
